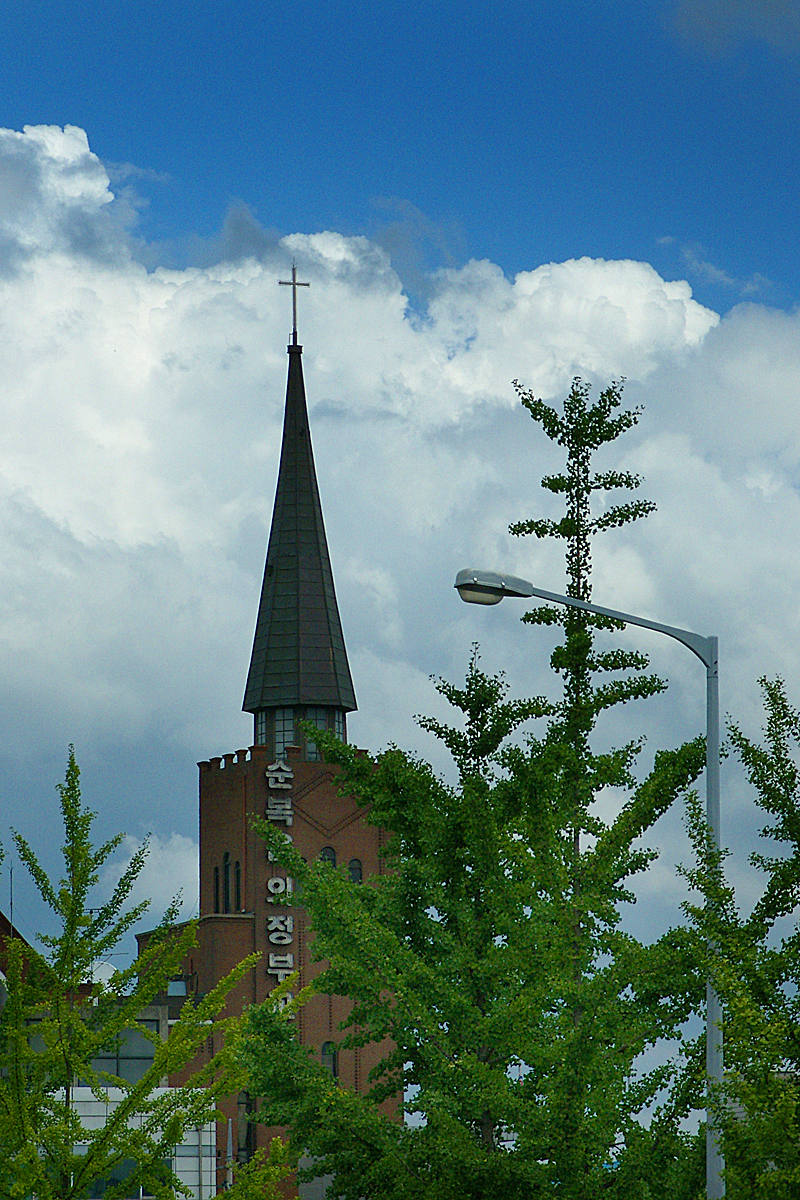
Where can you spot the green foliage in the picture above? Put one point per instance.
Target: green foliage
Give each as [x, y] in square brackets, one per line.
[754, 962]
[261, 1177]
[465, 956]
[582, 429]
[58, 1018]
[490, 955]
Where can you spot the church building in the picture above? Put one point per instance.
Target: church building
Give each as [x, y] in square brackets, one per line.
[298, 672]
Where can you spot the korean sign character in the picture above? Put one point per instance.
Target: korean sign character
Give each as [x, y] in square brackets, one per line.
[280, 929]
[284, 1002]
[280, 965]
[279, 775]
[278, 886]
[279, 808]
[270, 855]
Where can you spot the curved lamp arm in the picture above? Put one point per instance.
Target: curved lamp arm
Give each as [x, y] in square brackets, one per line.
[488, 587]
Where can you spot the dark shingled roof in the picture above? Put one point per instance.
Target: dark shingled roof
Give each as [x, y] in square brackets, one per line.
[299, 656]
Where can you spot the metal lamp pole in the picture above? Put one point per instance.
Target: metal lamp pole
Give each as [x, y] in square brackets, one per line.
[487, 587]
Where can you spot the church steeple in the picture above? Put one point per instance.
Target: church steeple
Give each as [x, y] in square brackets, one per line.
[299, 668]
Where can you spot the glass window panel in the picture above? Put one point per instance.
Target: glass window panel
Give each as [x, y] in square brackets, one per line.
[134, 1044]
[117, 1176]
[132, 1057]
[35, 1040]
[329, 1058]
[328, 855]
[245, 1128]
[356, 872]
[284, 730]
[107, 1063]
[134, 1069]
[318, 717]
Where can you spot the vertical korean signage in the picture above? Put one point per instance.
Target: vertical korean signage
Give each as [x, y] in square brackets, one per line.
[280, 925]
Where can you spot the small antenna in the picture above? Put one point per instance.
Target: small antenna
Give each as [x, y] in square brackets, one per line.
[294, 285]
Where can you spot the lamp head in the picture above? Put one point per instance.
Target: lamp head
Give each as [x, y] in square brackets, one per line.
[475, 593]
[487, 587]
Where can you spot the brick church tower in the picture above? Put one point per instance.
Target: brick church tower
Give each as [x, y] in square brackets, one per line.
[298, 672]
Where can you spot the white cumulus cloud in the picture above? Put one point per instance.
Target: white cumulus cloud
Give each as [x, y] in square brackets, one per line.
[138, 452]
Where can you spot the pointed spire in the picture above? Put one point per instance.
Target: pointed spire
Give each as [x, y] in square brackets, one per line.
[299, 656]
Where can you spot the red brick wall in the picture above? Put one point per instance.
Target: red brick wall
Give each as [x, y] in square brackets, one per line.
[232, 789]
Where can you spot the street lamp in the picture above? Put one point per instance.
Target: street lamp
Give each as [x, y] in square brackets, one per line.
[487, 587]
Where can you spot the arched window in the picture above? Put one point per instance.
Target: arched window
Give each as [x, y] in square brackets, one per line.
[216, 889]
[329, 1058]
[328, 854]
[226, 882]
[245, 1128]
[354, 867]
[237, 886]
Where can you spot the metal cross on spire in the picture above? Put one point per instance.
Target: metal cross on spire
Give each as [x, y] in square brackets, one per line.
[294, 285]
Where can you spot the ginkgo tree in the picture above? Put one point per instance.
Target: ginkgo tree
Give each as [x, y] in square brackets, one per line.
[491, 954]
[60, 1020]
[753, 958]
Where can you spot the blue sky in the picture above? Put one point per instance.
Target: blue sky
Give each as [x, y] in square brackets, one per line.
[476, 193]
[522, 132]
